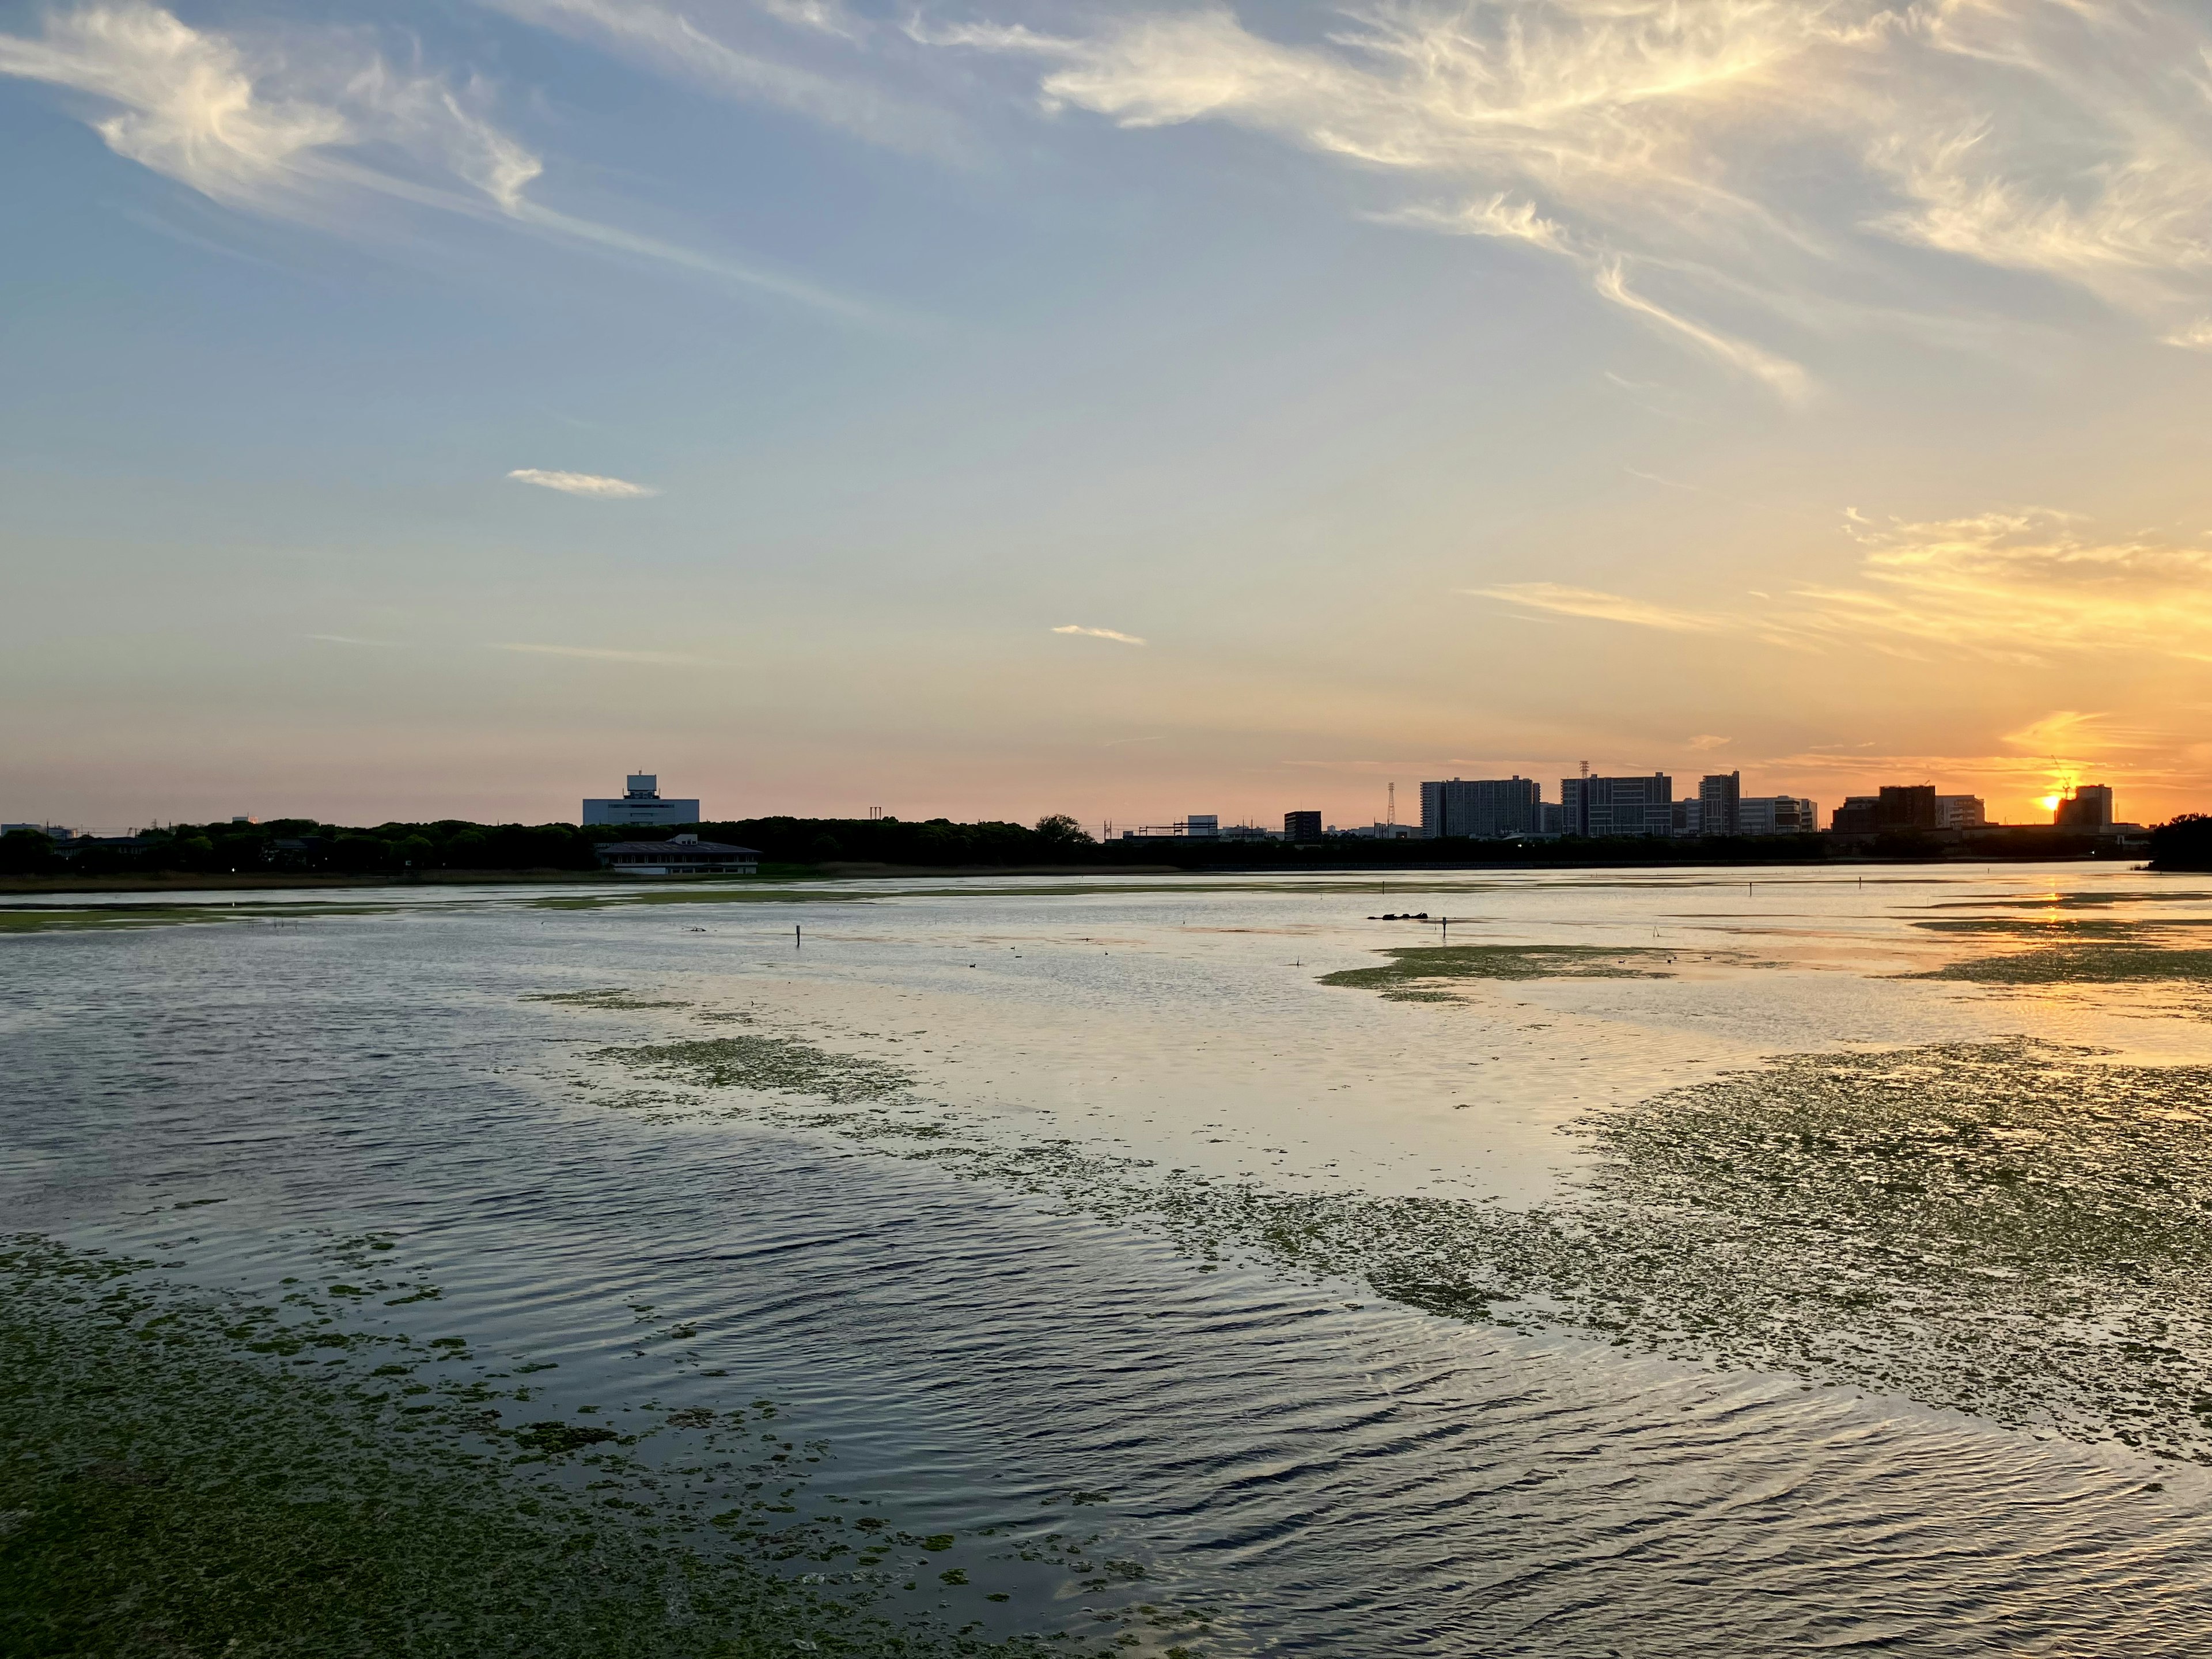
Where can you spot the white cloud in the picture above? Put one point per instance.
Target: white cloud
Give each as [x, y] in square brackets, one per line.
[599, 653]
[347, 638]
[271, 129]
[581, 484]
[2071, 140]
[1762, 158]
[314, 125]
[1787, 378]
[1705, 740]
[1099, 634]
[1601, 607]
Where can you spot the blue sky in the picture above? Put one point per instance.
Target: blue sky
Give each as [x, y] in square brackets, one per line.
[1125, 409]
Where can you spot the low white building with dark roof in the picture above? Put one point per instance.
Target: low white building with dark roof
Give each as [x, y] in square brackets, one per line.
[679, 856]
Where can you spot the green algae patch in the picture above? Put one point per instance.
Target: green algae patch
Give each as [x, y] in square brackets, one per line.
[2092, 901]
[1417, 973]
[615, 997]
[2084, 958]
[2046, 928]
[557, 1438]
[2018, 1229]
[769, 1064]
[96, 917]
[58, 919]
[164, 1492]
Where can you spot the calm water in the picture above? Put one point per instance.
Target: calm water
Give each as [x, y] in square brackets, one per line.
[1327, 1470]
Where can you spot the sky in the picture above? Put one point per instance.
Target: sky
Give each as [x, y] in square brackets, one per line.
[991, 408]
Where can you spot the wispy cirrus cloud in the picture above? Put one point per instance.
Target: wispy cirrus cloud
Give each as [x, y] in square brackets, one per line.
[1099, 634]
[582, 484]
[1787, 379]
[1600, 606]
[721, 51]
[274, 129]
[600, 653]
[347, 638]
[312, 124]
[2026, 587]
[1760, 159]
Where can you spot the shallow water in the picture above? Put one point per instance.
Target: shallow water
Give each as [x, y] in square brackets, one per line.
[971, 1344]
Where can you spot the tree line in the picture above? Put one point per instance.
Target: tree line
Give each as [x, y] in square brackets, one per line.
[306, 846]
[398, 850]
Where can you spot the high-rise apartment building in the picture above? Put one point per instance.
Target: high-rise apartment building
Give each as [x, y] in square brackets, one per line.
[1904, 807]
[1483, 809]
[1301, 826]
[1719, 795]
[1961, 812]
[1618, 806]
[2086, 806]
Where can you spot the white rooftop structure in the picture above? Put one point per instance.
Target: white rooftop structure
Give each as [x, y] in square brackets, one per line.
[642, 803]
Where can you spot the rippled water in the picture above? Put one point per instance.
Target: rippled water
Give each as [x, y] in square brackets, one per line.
[1321, 1468]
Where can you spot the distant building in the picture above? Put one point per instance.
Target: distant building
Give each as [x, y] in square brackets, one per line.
[1689, 817]
[1484, 809]
[2086, 806]
[641, 804]
[679, 856]
[1618, 806]
[1202, 823]
[1776, 815]
[1301, 826]
[1896, 809]
[1961, 812]
[1856, 817]
[1719, 795]
[1555, 819]
[1904, 807]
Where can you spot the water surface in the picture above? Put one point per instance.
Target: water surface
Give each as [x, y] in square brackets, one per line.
[1141, 1236]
